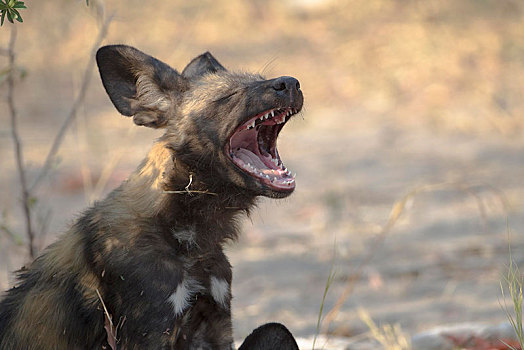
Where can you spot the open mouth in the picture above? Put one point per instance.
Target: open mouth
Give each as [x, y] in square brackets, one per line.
[253, 148]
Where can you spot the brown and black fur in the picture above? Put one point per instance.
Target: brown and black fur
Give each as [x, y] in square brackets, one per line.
[162, 230]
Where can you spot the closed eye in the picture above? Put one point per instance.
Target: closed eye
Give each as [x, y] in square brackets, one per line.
[223, 98]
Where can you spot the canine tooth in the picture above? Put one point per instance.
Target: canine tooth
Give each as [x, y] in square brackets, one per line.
[272, 114]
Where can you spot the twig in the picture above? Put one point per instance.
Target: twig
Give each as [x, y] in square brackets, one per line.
[18, 143]
[192, 191]
[188, 191]
[74, 109]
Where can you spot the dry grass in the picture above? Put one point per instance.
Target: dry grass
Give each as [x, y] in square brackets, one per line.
[513, 282]
[475, 191]
[390, 337]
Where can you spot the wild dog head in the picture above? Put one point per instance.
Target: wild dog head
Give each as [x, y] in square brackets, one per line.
[222, 125]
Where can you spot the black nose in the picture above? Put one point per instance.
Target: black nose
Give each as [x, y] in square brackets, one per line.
[286, 83]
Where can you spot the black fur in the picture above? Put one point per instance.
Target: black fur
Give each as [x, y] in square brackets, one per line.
[271, 336]
[149, 257]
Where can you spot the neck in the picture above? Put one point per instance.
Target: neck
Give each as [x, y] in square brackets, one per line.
[165, 190]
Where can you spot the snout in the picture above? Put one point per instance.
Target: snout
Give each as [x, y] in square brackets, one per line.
[288, 88]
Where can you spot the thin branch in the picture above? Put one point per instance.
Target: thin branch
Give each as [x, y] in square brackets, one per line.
[17, 143]
[51, 156]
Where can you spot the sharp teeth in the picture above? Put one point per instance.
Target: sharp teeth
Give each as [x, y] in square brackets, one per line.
[272, 114]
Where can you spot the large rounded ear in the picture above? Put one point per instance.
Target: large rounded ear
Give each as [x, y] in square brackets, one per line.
[203, 64]
[139, 85]
[271, 336]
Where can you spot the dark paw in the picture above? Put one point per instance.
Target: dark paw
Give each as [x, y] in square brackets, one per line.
[271, 336]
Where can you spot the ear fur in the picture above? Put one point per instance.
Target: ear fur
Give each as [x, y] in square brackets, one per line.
[203, 64]
[139, 85]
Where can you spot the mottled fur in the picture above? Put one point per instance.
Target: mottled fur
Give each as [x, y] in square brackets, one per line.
[151, 252]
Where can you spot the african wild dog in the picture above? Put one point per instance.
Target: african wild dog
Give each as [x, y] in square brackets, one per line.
[151, 253]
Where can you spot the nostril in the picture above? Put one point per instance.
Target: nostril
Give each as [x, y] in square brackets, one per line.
[279, 86]
[286, 83]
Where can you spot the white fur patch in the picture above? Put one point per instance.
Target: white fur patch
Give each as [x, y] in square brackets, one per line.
[184, 292]
[187, 237]
[220, 291]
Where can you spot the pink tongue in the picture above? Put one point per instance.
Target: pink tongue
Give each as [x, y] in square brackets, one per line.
[249, 157]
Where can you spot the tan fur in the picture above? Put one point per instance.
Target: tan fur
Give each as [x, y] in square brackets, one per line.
[144, 192]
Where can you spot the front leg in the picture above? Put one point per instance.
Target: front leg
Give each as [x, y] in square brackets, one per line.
[206, 326]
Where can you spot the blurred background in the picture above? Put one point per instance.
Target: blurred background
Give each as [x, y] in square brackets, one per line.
[409, 152]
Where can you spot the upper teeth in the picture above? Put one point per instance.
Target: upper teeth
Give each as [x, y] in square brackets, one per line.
[280, 118]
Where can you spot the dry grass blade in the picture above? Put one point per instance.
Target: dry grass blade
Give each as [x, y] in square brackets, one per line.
[513, 281]
[390, 337]
[191, 192]
[330, 279]
[395, 213]
[110, 328]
